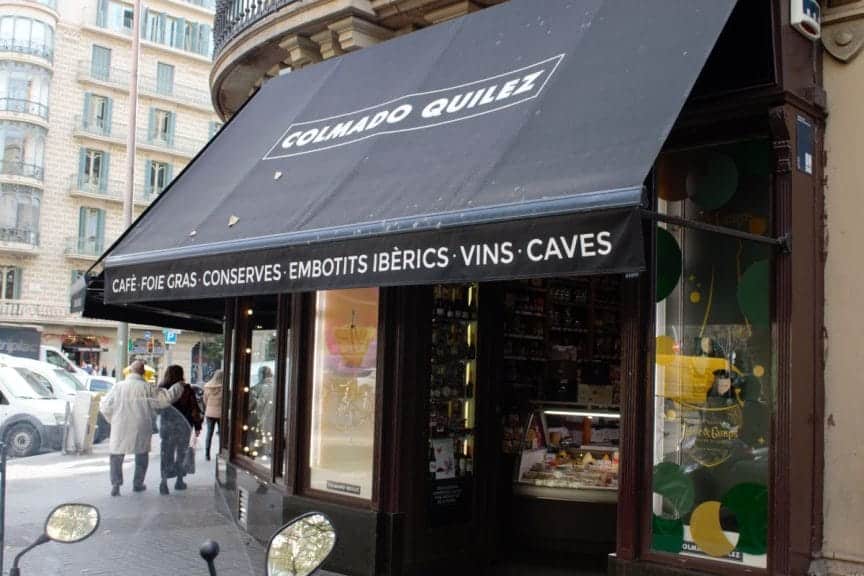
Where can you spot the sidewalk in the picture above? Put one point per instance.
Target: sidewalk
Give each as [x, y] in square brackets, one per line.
[142, 534]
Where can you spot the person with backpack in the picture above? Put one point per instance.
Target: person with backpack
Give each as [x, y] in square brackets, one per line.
[175, 430]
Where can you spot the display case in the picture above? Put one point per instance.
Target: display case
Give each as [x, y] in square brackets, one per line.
[570, 452]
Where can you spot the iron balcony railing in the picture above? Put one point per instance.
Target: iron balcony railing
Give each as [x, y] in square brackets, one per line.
[109, 75]
[19, 168]
[88, 246]
[19, 235]
[234, 16]
[38, 49]
[22, 106]
[148, 85]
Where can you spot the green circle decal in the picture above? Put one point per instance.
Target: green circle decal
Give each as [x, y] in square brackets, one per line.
[754, 293]
[667, 535]
[670, 481]
[712, 180]
[668, 263]
[749, 503]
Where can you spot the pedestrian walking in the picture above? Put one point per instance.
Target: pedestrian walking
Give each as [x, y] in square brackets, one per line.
[175, 429]
[212, 408]
[129, 408]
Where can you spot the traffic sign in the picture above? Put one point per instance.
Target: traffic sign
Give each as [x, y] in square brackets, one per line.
[170, 336]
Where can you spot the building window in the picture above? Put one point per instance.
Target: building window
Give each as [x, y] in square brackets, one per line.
[93, 170]
[10, 283]
[97, 113]
[161, 127]
[91, 231]
[164, 78]
[257, 397]
[24, 88]
[100, 63]
[159, 175]
[26, 36]
[23, 149]
[19, 214]
[114, 16]
[177, 32]
[344, 380]
[714, 364]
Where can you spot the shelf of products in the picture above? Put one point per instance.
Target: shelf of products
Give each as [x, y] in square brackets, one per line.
[569, 453]
[453, 377]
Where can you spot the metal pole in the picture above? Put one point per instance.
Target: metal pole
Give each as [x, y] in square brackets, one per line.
[128, 199]
[2, 502]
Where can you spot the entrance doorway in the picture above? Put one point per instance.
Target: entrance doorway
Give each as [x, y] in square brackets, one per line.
[523, 424]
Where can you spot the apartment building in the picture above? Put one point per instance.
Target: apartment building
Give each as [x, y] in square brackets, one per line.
[64, 109]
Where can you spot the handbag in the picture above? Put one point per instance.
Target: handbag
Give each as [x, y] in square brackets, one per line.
[189, 460]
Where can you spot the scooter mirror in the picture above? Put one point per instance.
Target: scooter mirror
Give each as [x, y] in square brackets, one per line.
[70, 523]
[301, 546]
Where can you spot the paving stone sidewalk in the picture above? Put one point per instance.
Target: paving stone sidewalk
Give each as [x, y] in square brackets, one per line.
[140, 534]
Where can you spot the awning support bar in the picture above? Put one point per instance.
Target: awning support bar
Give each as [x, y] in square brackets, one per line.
[784, 243]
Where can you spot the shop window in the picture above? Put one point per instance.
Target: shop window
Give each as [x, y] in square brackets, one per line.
[714, 373]
[344, 382]
[257, 396]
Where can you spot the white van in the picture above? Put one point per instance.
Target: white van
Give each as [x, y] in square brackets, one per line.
[56, 357]
[31, 418]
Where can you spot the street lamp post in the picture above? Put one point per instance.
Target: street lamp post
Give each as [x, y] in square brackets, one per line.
[128, 199]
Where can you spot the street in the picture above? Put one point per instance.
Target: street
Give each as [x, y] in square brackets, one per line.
[140, 534]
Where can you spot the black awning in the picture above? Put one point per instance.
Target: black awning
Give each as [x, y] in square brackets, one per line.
[461, 145]
[88, 299]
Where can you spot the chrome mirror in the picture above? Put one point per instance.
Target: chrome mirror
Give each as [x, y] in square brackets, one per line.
[70, 523]
[301, 546]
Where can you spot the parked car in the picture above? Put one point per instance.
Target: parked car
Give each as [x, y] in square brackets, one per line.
[56, 357]
[62, 384]
[31, 418]
[102, 384]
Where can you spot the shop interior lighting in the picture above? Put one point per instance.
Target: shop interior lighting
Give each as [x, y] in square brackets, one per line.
[249, 312]
[582, 413]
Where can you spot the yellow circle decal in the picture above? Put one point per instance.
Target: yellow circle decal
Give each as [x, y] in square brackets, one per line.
[706, 530]
[665, 345]
[695, 297]
[759, 371]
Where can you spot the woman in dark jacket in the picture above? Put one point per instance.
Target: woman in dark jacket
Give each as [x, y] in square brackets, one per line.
[175, 429]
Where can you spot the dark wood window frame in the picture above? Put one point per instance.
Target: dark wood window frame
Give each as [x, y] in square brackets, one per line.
[241, 341]
[305, 381]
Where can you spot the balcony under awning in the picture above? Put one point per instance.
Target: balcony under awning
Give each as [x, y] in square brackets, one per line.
[513, 142]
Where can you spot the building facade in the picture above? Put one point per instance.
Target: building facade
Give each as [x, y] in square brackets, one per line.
[842, 39]
[64, 101]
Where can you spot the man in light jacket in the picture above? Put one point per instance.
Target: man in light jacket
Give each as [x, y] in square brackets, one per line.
[129, 408]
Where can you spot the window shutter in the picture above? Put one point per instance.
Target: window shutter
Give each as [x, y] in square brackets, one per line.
[169, 174]
[148, 182]
[16, 288]
[102, 14]
[109, 105]
[163, 24]
[82, 228]
[179, 33]
[103, 177]
[193, 35]
[169, 137]
[145, 16]
[82, 161]
[151, 125]
[206, 40]
[85, 121]
[100, 229]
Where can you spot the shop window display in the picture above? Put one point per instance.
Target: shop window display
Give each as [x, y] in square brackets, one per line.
[714, 369]
[258, 396]
[344, 382]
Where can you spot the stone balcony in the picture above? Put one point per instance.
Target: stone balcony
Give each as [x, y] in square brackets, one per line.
[257, 39]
